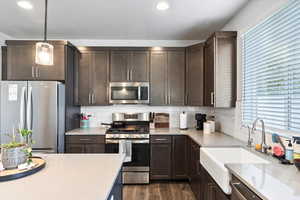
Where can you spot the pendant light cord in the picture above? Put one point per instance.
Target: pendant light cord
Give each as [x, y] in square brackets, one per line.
[45, 24]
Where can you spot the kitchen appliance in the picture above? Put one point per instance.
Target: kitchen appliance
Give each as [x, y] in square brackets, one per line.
[35, 105]
[129, 93]
[201, 118]
[183, 121]
[134, 133]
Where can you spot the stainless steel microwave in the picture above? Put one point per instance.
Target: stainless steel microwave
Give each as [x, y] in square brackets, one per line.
[129, 93]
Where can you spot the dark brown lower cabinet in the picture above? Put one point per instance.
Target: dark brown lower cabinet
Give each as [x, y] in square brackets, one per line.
[195, 176]
[85, 144]
[209, 188]
[161, 158]
[179, 158]
[117, 190]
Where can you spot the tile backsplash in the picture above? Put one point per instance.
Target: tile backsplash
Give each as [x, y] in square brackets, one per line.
[102, 114]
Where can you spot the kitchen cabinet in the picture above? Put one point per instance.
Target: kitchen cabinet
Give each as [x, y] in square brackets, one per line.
[195, 176]
[129, 66]
[117, 190]
[167, 77]
[195, 75]
[20, 62]
[92, 78]
[85, 144]
[209, 188]
[160, 157]
[179, 158]
[220, 70]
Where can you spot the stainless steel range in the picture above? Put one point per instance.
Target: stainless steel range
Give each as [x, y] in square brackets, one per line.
[134, 129]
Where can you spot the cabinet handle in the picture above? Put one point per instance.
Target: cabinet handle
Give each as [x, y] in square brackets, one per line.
[212, 98]
[128, 78]
[161, 139]
[84, 139]
[89, 97]
[131, 74]
[93, 98]
[32, 72]
[169, 99]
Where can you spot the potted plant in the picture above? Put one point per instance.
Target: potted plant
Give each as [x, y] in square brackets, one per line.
[16, 153]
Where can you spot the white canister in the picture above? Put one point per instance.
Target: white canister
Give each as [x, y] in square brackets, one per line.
[206, 127]
[212, 126]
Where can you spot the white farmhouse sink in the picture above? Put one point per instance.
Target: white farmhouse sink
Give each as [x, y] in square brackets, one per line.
[214, 160]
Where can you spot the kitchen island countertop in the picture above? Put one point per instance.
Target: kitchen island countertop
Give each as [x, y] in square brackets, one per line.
[67, 177]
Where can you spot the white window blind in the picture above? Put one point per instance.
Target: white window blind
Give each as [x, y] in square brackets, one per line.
[271, 70]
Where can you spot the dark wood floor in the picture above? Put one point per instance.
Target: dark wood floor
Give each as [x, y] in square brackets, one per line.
[158, 191]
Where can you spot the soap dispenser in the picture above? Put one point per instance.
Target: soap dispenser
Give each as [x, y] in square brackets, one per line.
[289, 154]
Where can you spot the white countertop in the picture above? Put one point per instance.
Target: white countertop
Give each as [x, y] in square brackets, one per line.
[215, 139]
[87, 131]
[67, 177]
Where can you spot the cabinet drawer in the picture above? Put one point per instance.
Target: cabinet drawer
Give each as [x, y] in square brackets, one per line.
[161, 139]
[85, 139]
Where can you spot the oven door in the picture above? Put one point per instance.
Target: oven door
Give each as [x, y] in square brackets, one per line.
[140, 154]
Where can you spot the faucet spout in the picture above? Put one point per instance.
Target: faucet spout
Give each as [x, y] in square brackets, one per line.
[264, 146]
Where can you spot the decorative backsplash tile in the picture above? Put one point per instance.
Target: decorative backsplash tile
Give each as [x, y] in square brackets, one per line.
[102, 114]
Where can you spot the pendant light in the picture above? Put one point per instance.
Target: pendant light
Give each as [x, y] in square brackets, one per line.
[44, 50]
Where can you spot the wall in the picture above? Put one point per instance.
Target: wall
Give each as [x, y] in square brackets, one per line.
[104, 113]
[253, 13]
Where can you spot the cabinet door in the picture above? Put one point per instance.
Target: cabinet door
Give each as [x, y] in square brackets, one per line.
[20, 62]
[195, 170]
[179, 158]
[160, 163]
[84, 79]
[158, 77]
[194, 76]
[209, 63]
[75, 148]
[119, 68]
[176, 78]
[99, 77]
[55, 72]
[95, 148]
[139, 66]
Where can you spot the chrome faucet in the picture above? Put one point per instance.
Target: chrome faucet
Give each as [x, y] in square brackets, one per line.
[264, 146]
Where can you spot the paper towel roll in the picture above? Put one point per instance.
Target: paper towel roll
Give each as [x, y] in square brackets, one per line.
[183, 121]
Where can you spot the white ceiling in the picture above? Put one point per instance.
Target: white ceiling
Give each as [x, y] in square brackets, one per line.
[118, 19]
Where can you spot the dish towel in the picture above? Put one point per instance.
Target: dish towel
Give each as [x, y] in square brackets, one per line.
[125, 147]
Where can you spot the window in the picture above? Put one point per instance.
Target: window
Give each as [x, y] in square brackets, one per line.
[271, 70]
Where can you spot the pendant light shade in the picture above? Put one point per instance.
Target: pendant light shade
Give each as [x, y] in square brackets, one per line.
[43, 53]
[44, 50]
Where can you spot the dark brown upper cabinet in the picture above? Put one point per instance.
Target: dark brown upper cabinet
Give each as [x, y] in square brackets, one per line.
[167, 77]
[92, 78]
[220, 70]
[20, 64]
[195, 75]
[129, 66]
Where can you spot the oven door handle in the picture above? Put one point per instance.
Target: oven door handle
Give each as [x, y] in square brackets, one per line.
[116, 141]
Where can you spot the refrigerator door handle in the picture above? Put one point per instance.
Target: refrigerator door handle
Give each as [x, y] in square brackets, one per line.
[29, 109]
[22, 108]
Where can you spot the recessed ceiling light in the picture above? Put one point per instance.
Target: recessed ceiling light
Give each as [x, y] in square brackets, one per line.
[163, 5]
[25, 4]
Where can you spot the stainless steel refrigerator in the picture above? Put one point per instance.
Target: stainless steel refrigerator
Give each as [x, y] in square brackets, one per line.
[35, 105]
